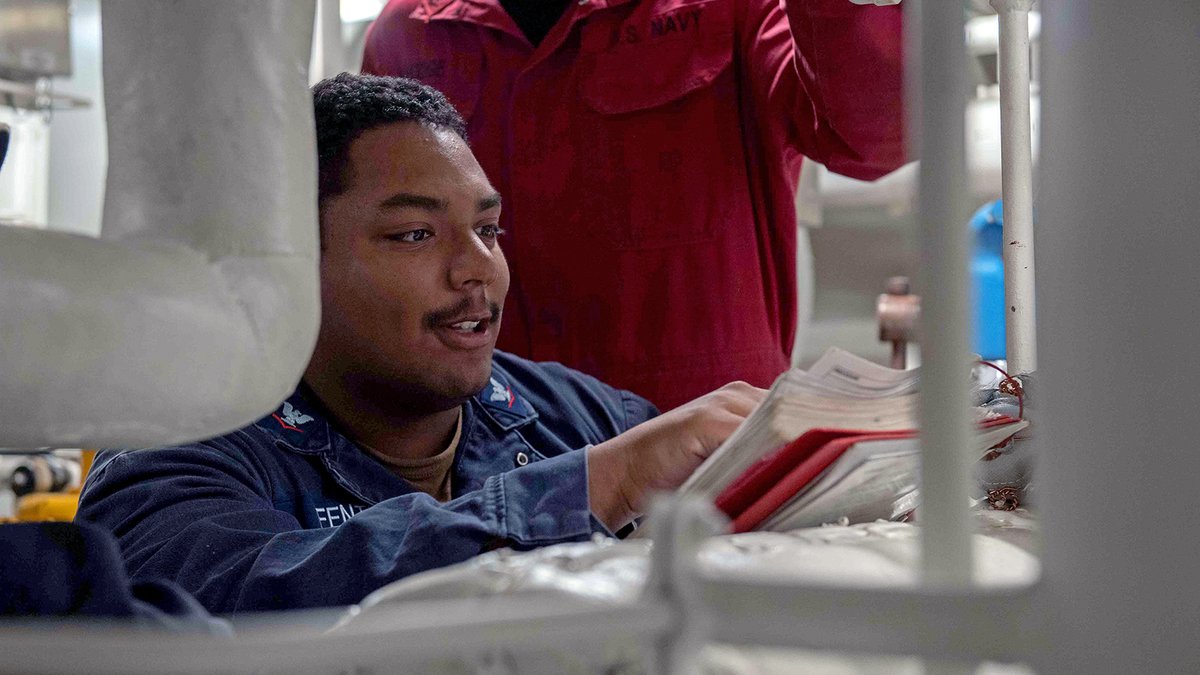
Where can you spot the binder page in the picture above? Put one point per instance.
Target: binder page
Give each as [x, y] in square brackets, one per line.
[867, 378]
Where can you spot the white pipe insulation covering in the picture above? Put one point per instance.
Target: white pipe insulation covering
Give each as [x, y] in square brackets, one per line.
[197, 309]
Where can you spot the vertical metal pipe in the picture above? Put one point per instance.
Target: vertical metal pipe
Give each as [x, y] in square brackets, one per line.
[328, 55]
[1016, 153]
[1117, 244]
[938, 122]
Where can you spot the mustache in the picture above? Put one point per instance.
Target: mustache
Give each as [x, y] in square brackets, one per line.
[439, 317]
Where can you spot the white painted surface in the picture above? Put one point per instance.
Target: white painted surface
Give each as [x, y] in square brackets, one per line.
[1118, 284]
[78, 138]
[196, 311]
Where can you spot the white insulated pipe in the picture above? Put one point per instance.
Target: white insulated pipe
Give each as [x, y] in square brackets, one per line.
[404, 638]
[1016, 152]
[937, 95]
[1117, 244]
[196, 310]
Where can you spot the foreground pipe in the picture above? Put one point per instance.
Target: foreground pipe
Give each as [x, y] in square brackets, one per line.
[196, 310]
[1118, 280]
[1016, 151]
[937, 107]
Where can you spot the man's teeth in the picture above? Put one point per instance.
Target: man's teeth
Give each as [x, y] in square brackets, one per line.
[465, 326]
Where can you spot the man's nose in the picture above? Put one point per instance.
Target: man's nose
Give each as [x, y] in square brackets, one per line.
[473, 262]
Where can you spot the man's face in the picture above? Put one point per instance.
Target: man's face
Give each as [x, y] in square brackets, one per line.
[412, 277]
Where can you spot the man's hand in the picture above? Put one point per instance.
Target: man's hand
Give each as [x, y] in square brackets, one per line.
[661, 453]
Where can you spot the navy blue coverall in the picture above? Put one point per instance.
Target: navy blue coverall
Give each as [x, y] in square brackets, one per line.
[289, 513]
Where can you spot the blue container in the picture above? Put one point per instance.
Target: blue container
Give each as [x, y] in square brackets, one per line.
[987, 280]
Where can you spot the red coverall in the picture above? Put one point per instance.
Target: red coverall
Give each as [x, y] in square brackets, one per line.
[648, 153]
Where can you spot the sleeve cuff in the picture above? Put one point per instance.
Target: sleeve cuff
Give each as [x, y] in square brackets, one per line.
[546, 502]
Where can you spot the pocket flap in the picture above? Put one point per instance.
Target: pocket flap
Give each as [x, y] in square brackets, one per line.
[648, 61]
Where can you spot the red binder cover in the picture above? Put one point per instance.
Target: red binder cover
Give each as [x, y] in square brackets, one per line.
[772, 481]
[764, 474]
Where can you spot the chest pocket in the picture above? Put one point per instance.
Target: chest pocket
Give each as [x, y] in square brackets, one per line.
[661, 143]
[643, 61]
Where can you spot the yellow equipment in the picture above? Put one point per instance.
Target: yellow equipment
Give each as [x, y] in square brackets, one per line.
[56, 506]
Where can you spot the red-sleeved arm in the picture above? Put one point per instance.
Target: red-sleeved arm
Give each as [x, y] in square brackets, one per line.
[826, 77]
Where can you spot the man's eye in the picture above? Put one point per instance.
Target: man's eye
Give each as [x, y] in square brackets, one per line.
[411, 237]
[489, 231]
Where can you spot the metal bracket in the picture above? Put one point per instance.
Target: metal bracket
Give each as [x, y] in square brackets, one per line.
[680, 525]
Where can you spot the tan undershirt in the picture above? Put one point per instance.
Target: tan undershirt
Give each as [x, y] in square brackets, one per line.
[430, 475]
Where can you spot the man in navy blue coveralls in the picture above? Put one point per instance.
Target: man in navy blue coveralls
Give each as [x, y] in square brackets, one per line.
[411, 443]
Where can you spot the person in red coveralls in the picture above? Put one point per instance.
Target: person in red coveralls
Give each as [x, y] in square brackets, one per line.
[648, 153]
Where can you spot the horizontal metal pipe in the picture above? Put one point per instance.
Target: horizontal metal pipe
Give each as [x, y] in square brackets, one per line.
[967, 625]
[408, 633]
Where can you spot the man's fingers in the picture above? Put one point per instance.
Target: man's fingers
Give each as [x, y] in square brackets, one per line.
[740, 398]
[719, 426]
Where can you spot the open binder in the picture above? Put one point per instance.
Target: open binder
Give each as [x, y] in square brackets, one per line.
[829, 474]
[837, 441]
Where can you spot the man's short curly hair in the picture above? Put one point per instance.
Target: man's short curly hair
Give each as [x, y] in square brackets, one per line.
[347, 105]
